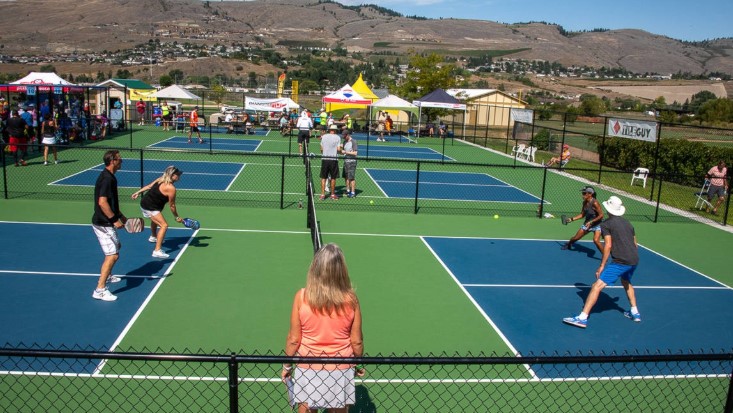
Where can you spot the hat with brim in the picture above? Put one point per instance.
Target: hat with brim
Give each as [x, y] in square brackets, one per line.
[333, 126]
[614, 206]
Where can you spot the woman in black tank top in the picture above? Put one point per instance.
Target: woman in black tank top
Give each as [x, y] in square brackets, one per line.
[158, 193]
[592, 215]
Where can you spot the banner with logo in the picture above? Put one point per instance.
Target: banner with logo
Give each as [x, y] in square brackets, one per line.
[632, 129]
[522, 115]
[269, 105]
[281, 84]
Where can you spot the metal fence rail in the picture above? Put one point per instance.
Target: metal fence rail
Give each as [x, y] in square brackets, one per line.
[62, 381]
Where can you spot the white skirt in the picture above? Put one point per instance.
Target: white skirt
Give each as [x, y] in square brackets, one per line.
[323, 389]
[49, 140]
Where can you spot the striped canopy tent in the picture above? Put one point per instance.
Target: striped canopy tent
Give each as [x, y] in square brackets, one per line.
[359, 87]
[347, 97]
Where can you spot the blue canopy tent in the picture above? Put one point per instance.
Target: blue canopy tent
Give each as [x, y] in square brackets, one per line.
[440, 99]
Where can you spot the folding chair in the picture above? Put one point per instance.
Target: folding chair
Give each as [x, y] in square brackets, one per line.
[518, 149]
[702, 196]
[640, 174]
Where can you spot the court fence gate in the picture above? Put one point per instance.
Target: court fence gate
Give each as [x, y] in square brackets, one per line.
[34, 379]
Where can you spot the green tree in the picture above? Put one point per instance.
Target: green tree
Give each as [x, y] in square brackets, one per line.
[165, 80]
[217, 93]
[592, 105]
[716, 111]
[176, 75]
[425, 74]
[698, 99]
[48, 69]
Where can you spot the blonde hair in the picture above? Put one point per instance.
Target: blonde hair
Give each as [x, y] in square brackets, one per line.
[328, 287]
[167, 176]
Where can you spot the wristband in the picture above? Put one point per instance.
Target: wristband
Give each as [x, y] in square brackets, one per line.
[359, 367]
[287, 368]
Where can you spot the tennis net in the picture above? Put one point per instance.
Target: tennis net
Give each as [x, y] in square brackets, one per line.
[311, 220]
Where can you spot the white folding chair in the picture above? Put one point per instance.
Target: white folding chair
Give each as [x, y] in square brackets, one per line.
[702, 196]
[526, 152]
[518, 149]
[640, 174]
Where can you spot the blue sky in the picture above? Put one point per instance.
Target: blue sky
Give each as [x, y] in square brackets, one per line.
[683, 20]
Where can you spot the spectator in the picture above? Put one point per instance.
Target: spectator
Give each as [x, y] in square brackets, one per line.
[563, 158]
[718, 176]
[325, 321]
[350, 150]
[194, 125]
[304, 125]
[167, 115]
[140, 106]
[329, 160]
[48, 132]
[17, 141]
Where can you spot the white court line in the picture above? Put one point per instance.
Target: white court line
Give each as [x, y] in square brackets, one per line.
[79, 274]
[234, 178]
[477, 306]
[139, 311]
[587, 287]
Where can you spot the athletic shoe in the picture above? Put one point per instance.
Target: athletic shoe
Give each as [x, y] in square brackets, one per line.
[201, 141]
[22, 162]
[575, 321]
[45, 163]
[113, 279]
[351, 195]
[152, 239]
[334, 196]
[55, 162]
[636, 317]
[160, 254]
[322, 197]
[103, 295]
[566, 247]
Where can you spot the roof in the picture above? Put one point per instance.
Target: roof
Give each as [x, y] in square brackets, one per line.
[128, 83]
[471, 94]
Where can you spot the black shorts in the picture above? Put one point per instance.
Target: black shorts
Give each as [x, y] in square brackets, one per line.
[329, 168]
[194, 128]
[168, 116]
[304, 136]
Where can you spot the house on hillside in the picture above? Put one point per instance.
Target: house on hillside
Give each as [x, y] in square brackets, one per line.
[487, 107]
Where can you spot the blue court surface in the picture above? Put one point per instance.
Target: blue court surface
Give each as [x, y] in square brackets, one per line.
[525, 287]
[205, 176]
[48, 273]
[218, 144]
[363, 136]
[402, 152]
[457, 186]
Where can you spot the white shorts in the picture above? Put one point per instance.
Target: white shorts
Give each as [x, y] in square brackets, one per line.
[148, 214]
[108, 240]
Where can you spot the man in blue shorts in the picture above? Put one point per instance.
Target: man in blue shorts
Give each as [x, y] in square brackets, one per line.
[620, 244]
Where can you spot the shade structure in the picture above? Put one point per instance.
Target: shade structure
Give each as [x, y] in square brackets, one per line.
[175, 92]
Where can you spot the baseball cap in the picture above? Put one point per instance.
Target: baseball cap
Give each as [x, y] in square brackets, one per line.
[588, 190]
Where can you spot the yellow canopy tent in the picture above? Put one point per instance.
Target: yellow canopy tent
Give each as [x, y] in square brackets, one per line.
[359, 87]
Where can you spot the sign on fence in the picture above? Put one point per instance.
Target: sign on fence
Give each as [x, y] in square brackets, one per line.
[522, 115]
[632, 129]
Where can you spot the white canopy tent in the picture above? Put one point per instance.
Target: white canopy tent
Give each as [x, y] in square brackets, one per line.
[175, 92]
[393, 103]
[346, 95]
[41, 78]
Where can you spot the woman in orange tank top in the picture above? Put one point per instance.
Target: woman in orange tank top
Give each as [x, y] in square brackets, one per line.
[325, 322]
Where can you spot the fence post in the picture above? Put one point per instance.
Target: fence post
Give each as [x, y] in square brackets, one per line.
[659, 198]
[130, 128]
[540, 214]
[417, 185]
[142, 169]
[5, 171]
[282, 182]
[233, 385]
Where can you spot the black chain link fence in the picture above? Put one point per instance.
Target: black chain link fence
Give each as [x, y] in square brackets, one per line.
[76, 380]
[275, 180]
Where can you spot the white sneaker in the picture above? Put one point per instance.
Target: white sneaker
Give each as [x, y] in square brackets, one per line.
[113, 279]
[152, 239]
[160, 254]
[103, 295]
[45, 163]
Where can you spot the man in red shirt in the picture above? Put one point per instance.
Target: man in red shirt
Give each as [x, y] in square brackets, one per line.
[140, 106]
[194, 120]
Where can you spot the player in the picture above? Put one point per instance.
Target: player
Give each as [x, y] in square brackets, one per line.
[592, 215]
[157, 194]
[194, 119]
[619, 243]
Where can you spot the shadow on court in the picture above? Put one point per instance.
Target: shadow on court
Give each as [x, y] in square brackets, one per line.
[605, 302]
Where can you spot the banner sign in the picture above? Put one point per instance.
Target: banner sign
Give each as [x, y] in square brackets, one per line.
[632, 129]
[522, 115]
[268, 105]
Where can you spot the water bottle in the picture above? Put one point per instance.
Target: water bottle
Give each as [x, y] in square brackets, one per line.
[300, 203]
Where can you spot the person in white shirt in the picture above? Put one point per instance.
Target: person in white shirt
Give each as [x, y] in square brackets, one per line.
[304, 125]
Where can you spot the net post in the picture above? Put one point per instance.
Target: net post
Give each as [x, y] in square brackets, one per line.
[282, 181]
[417, 185]
[233, 384]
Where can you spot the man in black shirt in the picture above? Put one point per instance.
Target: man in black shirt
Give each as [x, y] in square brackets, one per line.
[18, 142]
[106, 220]
[620, 244]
